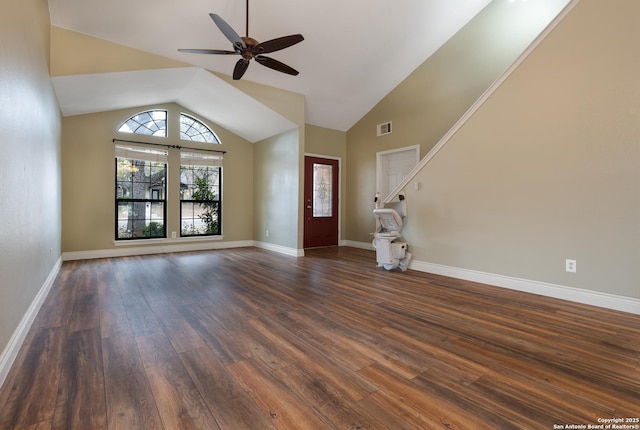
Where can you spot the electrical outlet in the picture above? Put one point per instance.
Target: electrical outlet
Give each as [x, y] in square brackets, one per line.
[267, 233]
[570, 266]
[173, 235]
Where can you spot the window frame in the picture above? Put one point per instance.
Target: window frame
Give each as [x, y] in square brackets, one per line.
[152, 159]
[205, 219]
[217, 202]
[189, 138]
[141, 125]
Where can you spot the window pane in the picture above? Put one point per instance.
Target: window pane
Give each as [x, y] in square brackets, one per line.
[193, 129]
[140, 199]
[151, 123]
[322, 192]
[156, 212]
[140, 220]
[199, 219]
[123, 230]
[199, 183]
[200, 208]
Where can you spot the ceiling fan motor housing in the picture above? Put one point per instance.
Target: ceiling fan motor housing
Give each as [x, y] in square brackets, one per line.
[250, 51]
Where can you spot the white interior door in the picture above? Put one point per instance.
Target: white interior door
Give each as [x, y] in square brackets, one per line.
[394, 166]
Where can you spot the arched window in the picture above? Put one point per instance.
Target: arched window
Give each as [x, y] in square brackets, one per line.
[150, 123]
[142, 179]
[193, 129]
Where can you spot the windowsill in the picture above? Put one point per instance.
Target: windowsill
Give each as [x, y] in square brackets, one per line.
[166, 241]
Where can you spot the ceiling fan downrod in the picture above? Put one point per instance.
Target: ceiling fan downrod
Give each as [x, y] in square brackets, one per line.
[247, 9]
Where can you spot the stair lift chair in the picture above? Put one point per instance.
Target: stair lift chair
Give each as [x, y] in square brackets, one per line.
[391, 249]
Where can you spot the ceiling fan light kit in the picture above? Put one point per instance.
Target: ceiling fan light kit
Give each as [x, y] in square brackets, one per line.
[249, 48]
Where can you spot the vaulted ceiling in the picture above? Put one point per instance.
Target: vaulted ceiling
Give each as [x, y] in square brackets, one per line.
[354, 53]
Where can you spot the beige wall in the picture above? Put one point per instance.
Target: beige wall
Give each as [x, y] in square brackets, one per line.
[30, 162]
[437, 94]
[548, 168]
[88, 178]
[270, 209]
[286, 103]
[277, 184]
[325, 141]
[74, 53]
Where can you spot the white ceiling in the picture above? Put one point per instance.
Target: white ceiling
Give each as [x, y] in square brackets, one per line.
[354, 53]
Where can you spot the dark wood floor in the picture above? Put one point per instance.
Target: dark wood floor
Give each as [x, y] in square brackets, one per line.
[249, 339]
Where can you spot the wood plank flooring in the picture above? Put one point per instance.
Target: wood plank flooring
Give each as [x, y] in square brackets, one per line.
[249, 339]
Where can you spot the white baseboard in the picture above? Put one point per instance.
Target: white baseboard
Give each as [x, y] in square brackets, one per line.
[10, 353]
[354, 244]
[279, 248]
[157, 249]
[578, 295]
[165, 247]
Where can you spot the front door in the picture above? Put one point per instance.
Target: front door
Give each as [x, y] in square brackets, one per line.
[320, 202]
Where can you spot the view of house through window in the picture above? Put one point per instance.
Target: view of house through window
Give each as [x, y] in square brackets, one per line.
[141, 177]
[142, 180]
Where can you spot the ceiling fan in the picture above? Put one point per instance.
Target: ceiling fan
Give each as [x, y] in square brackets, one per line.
[249, 48]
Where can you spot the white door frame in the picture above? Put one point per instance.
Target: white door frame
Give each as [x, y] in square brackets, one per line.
[381, 174]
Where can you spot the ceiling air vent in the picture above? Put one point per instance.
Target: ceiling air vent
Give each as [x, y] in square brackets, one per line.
[383, 129]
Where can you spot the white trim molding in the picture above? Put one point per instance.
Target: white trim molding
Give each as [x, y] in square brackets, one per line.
[355, 244]
[571, 294]
[166, 247]
[162, 248]
[578, 295]
[10, 353]
[293, 252]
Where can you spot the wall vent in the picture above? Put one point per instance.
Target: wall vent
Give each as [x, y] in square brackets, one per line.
[383, 129]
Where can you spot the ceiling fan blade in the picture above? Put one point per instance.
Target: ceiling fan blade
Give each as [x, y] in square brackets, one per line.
[228, 31]
[207, 51]
[277, 44]
[241, 66]
[276, 65]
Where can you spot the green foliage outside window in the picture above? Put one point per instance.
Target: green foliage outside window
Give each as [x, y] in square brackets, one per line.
[204, 193]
